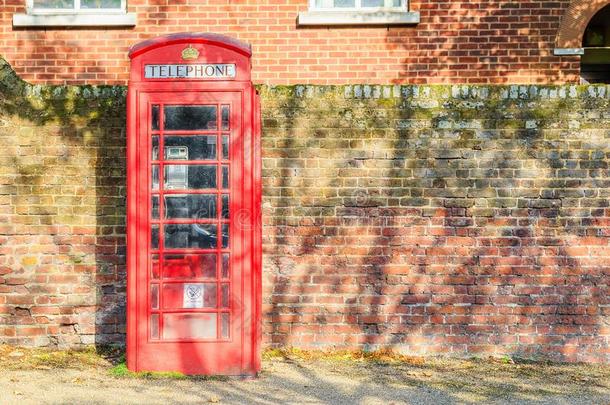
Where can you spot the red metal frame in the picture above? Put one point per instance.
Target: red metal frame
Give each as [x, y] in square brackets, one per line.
[239, 354]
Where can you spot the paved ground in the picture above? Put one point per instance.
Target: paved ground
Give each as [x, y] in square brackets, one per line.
[297, 380]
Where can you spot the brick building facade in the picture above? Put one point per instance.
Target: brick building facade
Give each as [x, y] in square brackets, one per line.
[437, 188]
[455, 42]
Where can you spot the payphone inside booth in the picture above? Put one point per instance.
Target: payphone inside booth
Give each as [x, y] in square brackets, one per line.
[193, 221]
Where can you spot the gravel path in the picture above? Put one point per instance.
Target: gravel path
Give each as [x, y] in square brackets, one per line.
[297, 381]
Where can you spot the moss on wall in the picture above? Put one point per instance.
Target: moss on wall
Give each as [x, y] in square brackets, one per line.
[431, 219]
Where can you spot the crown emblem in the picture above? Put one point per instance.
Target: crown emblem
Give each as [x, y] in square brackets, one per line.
[190, 53]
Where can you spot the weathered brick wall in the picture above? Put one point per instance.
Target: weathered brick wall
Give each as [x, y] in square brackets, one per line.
[438, 220]
[434, 219]
[62, 213]
[457, 41]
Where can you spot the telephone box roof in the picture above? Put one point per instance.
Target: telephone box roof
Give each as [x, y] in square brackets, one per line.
[190, 37]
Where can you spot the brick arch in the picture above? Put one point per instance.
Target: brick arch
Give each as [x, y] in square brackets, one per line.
[575, 20]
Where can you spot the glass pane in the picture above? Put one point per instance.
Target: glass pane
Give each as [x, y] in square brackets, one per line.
[155, 118]
[154, 264]
[155, 177]
[154, 237]
[154, 296]
[345, 3]
[225, 177]
[189, 266]
[225, 117]
[155, 207]
[154, 326]
[190, 206]
[335, 3]
[193, 177]
[225, 236]
[189, 326]
[225, 265]
[100, 4]
[224, 301]
[190, 147]
[189, 295]
[373, 3]
[224, 326]
[225, 146]
[225, 206]
[155, 148]
[53, 3]
[190, 117]
[190, 236]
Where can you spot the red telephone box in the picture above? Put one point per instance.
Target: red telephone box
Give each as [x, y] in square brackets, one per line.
[194, 244]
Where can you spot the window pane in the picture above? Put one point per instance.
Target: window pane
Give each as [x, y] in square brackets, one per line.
[100, 3]
[53, 3]
[345, 3]
[190, 117]
[225, 177]
[155, 117]
[154, 326]
[155, 207]
[225, 236]
[154, 237]
[154, 264]
[191, 236]
[155, 177]
[225, 206]
[225, 146]
[194, 206]
[189, 326]
[224, 300]
[189, 266]
[189, 295]
[190, 147]
[155, 148]
[225, 117]
[224, 326]
[154, 296]
[193, 177]
[225, 265]
[373, 3]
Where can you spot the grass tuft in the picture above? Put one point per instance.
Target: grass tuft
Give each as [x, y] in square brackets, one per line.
[379, 356]
[121, 371]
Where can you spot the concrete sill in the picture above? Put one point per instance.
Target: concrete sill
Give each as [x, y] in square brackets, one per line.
[317, 18]
[75, 20]
[568, 51]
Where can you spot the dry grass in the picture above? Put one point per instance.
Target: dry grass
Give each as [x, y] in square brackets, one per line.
[381, 356]
[44, 359]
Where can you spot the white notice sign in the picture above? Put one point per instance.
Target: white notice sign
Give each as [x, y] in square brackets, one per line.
[190, 71]
[193, 296]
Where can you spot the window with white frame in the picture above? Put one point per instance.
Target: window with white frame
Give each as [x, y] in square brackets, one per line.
[75, 13]
[356, 4]
[75, 6]
[358, 12]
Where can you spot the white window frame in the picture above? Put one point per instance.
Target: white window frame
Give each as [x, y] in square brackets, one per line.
[358, 6]
[74, 17]
[75, 10]
[358, 15]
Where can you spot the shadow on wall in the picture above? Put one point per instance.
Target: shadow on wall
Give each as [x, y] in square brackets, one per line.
[506, 42]
[62, 253]
[456, 220]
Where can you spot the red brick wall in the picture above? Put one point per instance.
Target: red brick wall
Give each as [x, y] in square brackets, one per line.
[438, 220]
[456, 42]
[62, 214]
[457, 220]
